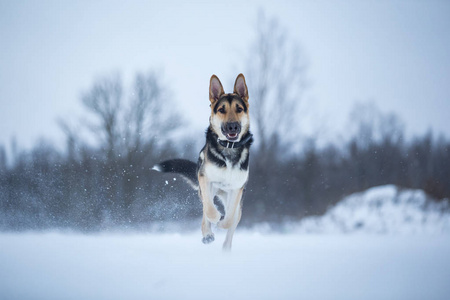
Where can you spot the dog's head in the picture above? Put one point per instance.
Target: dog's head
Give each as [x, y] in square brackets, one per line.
[229, 112]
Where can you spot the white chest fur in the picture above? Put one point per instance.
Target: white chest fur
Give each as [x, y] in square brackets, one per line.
[231, 177]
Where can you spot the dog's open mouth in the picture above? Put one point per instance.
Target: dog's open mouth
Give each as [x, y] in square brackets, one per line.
[232, 136]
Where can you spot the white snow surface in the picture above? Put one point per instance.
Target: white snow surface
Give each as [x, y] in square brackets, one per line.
[382, 210]
[260, 266]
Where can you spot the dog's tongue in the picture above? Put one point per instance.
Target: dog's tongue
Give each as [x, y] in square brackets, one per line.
[232, 135]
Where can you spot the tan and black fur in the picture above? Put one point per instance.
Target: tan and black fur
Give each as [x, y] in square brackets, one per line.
[221, 172]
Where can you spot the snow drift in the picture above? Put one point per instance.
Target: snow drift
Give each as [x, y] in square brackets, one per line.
[383, 210]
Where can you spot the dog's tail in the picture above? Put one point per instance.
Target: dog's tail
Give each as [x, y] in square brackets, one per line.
[186, 168]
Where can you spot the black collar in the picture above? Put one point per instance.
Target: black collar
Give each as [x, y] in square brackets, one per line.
[232, 145]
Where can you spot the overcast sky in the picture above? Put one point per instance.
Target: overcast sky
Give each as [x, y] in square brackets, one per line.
[394, 53]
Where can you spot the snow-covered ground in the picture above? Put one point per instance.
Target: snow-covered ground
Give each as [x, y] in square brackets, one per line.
[179, 266]
[384, 243]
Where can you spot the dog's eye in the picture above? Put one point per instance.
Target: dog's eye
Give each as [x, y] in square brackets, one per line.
[239, 109]
[221, 110]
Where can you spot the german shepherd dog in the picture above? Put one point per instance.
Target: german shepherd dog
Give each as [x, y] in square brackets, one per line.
[221, 173]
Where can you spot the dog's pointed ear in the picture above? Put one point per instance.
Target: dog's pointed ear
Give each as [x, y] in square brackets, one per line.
[215, 89]
[240, 87]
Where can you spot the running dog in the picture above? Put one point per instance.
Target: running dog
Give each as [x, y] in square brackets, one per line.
[221, 173]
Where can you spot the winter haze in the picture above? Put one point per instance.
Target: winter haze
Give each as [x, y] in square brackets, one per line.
[349, 183]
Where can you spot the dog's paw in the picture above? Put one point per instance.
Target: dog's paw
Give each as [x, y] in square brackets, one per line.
[208, 239]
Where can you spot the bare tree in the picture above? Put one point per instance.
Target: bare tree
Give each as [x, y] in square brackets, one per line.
[71, 139]
[104, 100]
[277, 81]
[146, 122]
[130, 125]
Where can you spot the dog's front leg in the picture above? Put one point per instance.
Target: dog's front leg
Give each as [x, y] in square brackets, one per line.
[210, 213]
[232, 204]
[234, 216]
[237, 217]
[207, 193]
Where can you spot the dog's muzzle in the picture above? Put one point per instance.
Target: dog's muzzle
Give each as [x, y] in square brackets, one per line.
[231, 130]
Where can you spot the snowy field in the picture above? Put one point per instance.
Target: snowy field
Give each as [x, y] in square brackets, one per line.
[260, 266]
[383, 243]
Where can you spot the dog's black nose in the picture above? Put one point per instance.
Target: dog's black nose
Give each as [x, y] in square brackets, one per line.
[233, 127]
